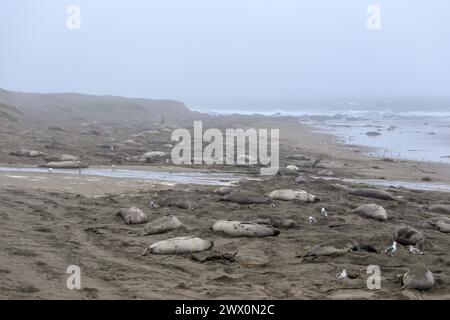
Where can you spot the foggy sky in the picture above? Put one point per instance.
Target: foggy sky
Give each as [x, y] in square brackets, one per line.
[227, 53]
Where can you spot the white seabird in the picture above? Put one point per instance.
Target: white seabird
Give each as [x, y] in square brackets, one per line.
[312, 219]
[323, 212]
[342, 275]
[390, 250]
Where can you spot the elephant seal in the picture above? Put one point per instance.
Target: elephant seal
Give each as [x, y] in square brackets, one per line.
[65, 165]
[243, 197]
[179, 202]
[372, 211]
[418, 277]
[63, 157]
[293, 194]
[441, 208]
[293, 168]
[286, 172]
[27, 153]
[179, 245]
[331, 248]
[302, 179]
[277, 222]
[133, 215]
[244, 229]
[299, 157]
[441, 224]
[224, 190]
[408, 236]
[162, 225]
[373, 193]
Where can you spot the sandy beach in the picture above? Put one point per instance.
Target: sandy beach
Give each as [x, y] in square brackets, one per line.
[53, 220]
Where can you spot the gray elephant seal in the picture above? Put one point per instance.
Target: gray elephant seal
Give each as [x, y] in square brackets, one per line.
[286, 172]
[162, 225]
[244, 229]
[441, 208]
[179, 245]
[408, 236]
[65, 165]
[372, 211]
[418, 277]
[293, 194]
[373, 193]
[302, 179]
[299, 157]
[243, 197]
[276, 222]
[63, 157]
[26, 153]
[224, 190]
[179, 202]
[132, 215]
[441, 224]
[331, 248]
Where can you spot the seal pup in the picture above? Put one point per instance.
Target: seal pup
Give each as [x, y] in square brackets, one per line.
[162, 225]
[373, 193]
[299, 157]
[372, 211]
[244, 229]
[342, 275]
[243, 197]
[293, 194]
[408, 236]
[418, 277]
[276, 222]
[132, 215]
[179, 245]
[65, 165]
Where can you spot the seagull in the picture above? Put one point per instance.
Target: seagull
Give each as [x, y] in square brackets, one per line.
[112, 148]
[390, 250]
[414, 250]
[312, 220]
[342, 275]
[50, 169]
[153, 205]
[323, 212]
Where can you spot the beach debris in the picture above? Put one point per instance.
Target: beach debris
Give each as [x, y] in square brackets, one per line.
[391, 249]
[244, 229]
[277, 222]
[162, 225]
[132, 215]
[293, 194]
[224, 257]
[373, 193]
[190, 244]
[372, 211]
[418, 277]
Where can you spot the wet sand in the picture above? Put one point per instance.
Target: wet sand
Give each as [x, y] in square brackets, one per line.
[48, 225]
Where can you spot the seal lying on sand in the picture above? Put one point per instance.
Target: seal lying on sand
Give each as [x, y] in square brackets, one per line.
[302, 179]
[63, 157]
[224, 190]
[441, 208]
[277, 222]
[418, 277]
[133, 215]
[179, 245]
[243, 197]
[293, 194]
[162, 225]
[286, 172]
[65, 165]
[27, 153]
[441, 224]
[179, 202]
[244, 229]
[336, 248]
[373, 193]
[300, 157]
[408, 236]
[372, 211]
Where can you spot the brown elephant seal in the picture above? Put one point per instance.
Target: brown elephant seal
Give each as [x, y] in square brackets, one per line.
[418, 277]
[27, 153]
[65, 165]
[179, 202]
[179, 245]
[302, 179]
[243, 197]
[440, 208]
[162, 225]
[244, 229]
[408, 235]
[372, 211]
[293, 194]
[373, 193]
[133, 215]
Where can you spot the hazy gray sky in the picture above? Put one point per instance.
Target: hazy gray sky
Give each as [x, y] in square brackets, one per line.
[227, 53]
